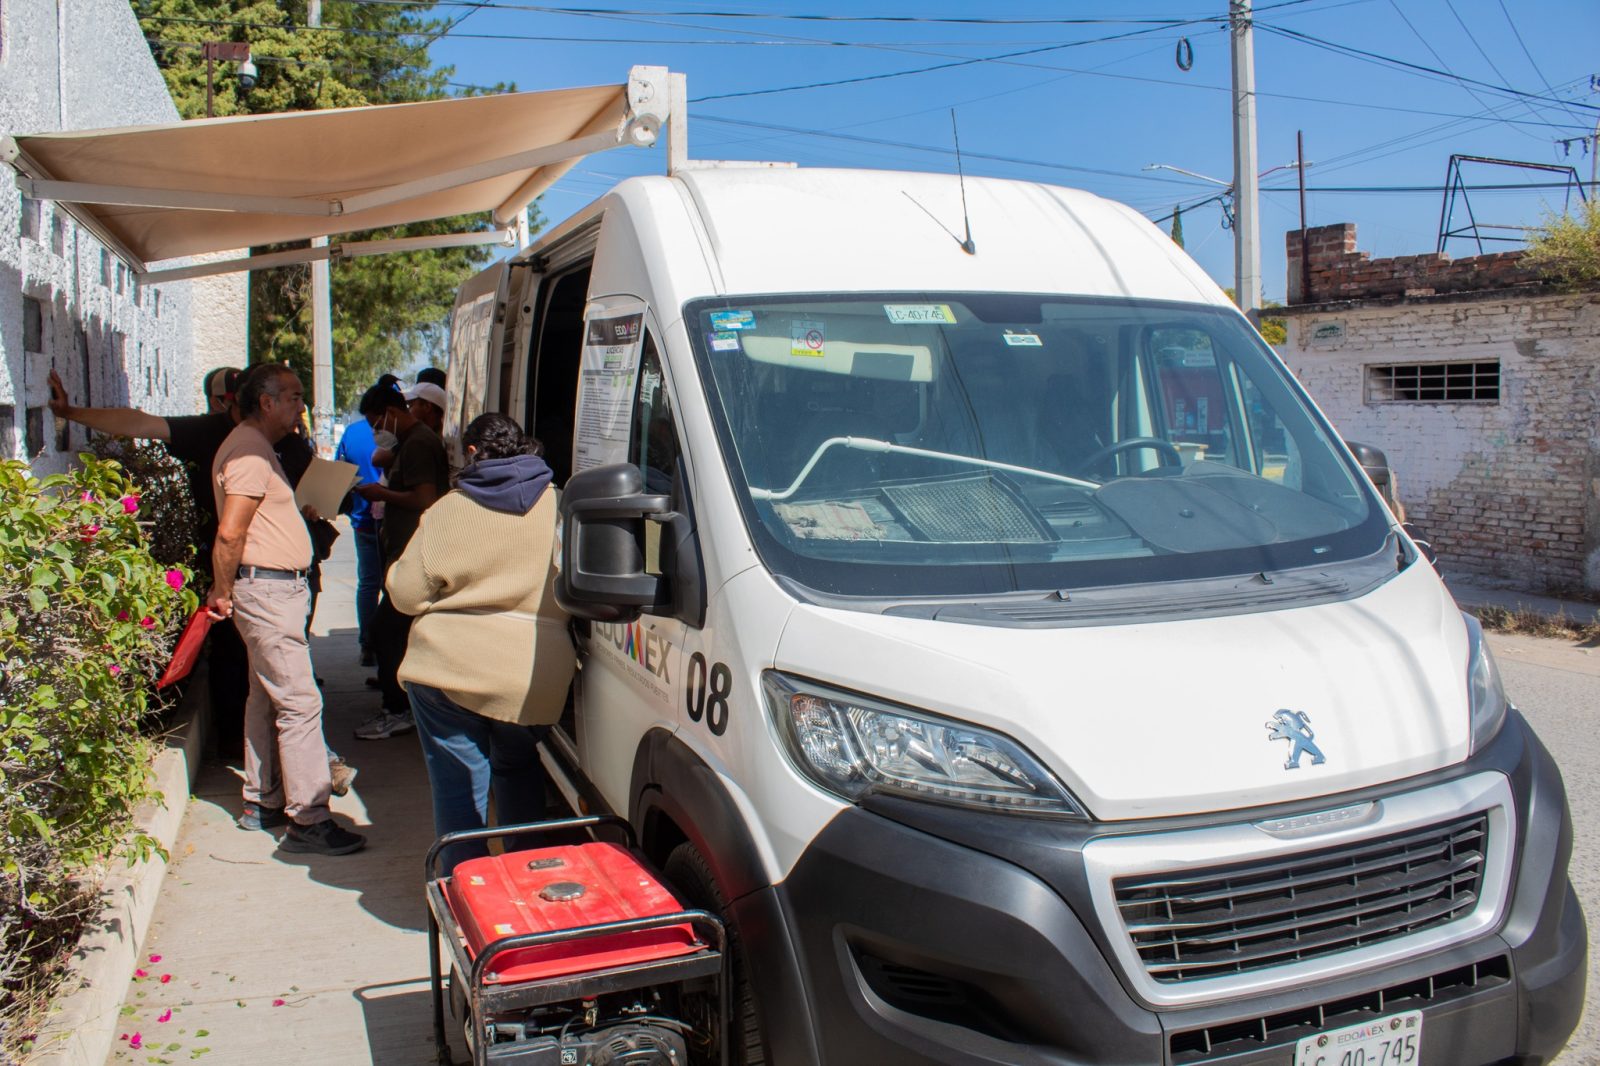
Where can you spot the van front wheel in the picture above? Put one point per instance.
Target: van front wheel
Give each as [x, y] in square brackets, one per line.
[687, 871]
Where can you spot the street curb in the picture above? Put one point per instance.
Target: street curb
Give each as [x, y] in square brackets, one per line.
[83, 1020]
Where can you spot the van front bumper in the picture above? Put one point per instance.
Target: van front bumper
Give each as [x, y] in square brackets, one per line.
[919, 934]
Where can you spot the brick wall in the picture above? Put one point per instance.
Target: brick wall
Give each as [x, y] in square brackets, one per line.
[1339, 271]
[1508, 491]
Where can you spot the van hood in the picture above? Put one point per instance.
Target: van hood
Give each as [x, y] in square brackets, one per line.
[1181, 717]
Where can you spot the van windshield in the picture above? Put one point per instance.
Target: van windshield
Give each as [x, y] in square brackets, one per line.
[947, 444]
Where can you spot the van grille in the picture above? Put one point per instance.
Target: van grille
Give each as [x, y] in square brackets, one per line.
[1247, 917]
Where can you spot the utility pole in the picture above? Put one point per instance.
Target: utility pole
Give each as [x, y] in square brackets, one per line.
[1305, 254]
[1247, 195]
[321, 323]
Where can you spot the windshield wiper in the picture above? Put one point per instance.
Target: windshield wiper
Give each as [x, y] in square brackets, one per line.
[867, 444]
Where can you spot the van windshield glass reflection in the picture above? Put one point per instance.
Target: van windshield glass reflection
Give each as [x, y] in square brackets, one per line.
[932, 444]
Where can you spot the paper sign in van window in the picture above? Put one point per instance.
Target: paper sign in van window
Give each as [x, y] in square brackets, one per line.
[920, 314]
[724, 342]
[724, 320]
[807, 337]
[1023, 339]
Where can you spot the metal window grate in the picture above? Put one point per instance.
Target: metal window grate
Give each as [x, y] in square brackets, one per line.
[1254, 916]
[1434, 383]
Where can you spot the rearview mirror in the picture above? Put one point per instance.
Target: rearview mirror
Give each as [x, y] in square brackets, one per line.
[1376, 464]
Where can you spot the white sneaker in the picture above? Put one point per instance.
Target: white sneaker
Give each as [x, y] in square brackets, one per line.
[384, 725]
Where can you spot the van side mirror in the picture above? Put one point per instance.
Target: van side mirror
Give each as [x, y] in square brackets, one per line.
[603, 578]
[1376, 464]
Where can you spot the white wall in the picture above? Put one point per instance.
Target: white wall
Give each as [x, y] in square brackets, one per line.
[84, 64]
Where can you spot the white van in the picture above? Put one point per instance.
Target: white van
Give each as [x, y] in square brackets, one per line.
[1005, 644]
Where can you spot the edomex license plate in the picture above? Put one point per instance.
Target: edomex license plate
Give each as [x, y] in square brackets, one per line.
[1394, 1040]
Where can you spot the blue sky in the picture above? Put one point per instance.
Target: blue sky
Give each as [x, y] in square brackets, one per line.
[1089, 113]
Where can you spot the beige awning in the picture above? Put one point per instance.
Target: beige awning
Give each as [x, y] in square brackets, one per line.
[159, 192]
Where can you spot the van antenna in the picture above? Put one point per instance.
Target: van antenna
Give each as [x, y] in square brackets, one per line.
[966, 220]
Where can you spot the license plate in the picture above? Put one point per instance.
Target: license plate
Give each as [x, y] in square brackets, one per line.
[1394, 1040]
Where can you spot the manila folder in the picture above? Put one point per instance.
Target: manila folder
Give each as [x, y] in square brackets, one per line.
[324, 484]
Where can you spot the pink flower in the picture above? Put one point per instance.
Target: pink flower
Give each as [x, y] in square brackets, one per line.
[115, 669]
[147, 622]
[155, 958]
[175, 579]
[122, 616]
[277, 1003]
[86, 533]
[141, 973]
[165, 978]
[136, 1041]
[88, 497]
[130, 504]
[165, 1016]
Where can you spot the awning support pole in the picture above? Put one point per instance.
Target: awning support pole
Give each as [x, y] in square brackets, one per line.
[79, 192]
[349, 250]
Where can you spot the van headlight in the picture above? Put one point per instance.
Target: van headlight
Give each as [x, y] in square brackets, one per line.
[852, 745]
[1486, 696]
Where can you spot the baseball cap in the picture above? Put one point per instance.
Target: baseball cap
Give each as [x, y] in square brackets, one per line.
[427, 390]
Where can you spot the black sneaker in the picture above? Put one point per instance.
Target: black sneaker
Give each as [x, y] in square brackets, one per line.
[322, 838]
[256, 817]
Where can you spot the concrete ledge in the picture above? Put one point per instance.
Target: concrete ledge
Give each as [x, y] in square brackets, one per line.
[83, 1021]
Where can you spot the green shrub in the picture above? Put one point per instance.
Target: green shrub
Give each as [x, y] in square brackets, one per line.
[1566, 247]
[166, 509]
[86, 621]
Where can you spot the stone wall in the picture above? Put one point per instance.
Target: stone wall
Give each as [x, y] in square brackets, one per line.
[1507, 491]
[1339, 271]
[72, 66]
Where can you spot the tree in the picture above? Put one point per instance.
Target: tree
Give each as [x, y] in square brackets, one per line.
[1566, 247]
[387, 310]
[1273, 330]
[1177, 226]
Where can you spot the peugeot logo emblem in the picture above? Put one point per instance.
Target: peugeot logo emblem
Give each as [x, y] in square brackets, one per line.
[1295, 727]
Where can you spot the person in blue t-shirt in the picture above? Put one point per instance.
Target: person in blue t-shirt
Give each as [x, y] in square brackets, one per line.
[356, 446]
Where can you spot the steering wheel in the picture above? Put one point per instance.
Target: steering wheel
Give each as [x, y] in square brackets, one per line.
[1170, 456]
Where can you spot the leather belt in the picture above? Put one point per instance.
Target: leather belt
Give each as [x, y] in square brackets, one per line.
[263, 573]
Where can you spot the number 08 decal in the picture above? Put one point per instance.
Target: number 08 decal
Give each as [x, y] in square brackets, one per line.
[709, 701]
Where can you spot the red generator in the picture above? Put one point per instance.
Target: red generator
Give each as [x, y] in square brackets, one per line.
[573, 955]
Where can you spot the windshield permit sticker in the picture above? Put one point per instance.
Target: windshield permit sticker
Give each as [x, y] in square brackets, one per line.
[920, 314]
[726, 320]
[806, 337]
[724, 342]
[1022, 339]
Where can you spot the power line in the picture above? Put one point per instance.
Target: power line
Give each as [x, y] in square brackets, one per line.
[1531, 61]
[1350, 50]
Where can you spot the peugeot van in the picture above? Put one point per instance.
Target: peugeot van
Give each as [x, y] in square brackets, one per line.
[998, 636]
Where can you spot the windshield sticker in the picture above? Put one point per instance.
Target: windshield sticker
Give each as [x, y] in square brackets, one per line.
[1023, 339]
[836, 520]
[724, 342]
[920, 314]
[806, 337]
[723, 320]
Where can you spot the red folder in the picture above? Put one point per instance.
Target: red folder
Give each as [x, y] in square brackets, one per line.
[188, 649]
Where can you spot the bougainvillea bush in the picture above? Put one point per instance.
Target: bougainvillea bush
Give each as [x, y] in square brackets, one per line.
[87, 618]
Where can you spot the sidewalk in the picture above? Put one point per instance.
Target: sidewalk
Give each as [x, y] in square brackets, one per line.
[296, 958]
[1470, 596]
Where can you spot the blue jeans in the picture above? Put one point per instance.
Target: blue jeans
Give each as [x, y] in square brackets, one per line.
[369, 581]
[467, 754]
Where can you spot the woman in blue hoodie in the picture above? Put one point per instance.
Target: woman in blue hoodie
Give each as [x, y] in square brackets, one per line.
[489, 660]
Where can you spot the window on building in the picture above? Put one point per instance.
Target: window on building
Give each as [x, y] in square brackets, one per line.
[105, 268]
[58, 232]
[33, 439]
[30, 218]
[1434, 383]
[8, 426]
[155, 302]
[121, 271]
[32, 324]
[88, 367]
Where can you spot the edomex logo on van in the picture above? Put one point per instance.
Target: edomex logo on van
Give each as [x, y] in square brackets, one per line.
[641, 646]
[623, 330]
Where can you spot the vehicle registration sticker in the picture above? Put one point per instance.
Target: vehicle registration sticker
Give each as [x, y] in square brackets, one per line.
[1395, 1040]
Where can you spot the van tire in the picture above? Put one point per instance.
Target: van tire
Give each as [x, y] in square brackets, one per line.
[687, 871]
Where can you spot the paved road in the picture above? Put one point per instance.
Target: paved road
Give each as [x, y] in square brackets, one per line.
[1557, 685]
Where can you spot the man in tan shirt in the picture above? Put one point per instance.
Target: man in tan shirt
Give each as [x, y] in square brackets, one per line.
[261, 555]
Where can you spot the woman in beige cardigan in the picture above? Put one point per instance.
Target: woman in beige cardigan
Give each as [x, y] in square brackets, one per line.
[489, 660]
